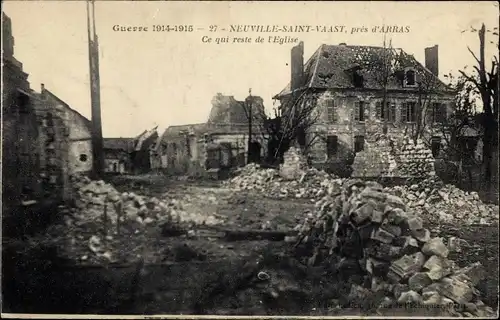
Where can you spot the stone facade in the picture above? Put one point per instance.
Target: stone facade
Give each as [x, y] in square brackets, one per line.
[54, 150]
[344, 126]
[347, 86]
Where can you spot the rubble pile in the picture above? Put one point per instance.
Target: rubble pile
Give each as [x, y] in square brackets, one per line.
[97, 197]
[414, 159]
[108, 226]
[446, 203]
[311, 183]
[374, 229]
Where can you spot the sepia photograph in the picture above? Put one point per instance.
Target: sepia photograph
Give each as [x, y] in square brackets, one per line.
[258, 159]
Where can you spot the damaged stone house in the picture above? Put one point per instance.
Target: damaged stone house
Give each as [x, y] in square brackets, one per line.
[117, 155]
[220, 143]
[348, 84]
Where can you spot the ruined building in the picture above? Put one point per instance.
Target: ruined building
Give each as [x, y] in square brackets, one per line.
[219, 143]
[20, 152]
[349, 84]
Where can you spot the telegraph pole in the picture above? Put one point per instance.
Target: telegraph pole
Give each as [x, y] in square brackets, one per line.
[95, 93]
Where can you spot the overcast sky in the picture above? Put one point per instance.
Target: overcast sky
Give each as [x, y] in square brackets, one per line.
[169, 78]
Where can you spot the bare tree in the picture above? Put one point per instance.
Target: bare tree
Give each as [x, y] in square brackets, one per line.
[452, 129]
[291, 122]
[427, 86]
[486, 84]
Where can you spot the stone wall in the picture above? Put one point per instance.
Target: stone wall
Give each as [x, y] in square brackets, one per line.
[377, 160]
[54, 151]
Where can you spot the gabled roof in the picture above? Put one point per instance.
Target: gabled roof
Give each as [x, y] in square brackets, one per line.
[126, 144]
[87, 122]
[329, 68]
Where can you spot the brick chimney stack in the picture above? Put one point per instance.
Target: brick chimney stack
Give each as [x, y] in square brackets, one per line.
[432, 59]
[297, 66]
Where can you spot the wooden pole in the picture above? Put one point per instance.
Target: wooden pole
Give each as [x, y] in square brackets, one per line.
[97, 143]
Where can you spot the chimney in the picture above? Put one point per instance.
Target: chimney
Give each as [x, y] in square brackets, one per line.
[297, 66]
[42, 87]
[7, 37]
[431, 59]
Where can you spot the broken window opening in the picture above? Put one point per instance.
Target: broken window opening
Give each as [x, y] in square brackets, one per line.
[410, 78]
[331, 145]
[359, 113]
[357, 79]
[359, 143]
[83, 157]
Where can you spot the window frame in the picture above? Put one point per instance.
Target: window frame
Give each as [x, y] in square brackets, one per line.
[409, 117]
[359, 112]
[331, 111]
[414, 78]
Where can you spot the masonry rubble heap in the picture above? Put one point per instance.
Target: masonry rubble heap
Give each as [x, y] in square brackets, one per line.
[446, 203]
[363, 223]
[311, 183]
[430, 197]
[98, 208]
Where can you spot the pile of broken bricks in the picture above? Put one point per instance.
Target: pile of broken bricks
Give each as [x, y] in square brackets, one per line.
[108, 226]
[309, 183]
[395, 252]
[446, 203]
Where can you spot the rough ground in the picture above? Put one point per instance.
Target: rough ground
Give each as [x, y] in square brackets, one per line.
[244, 277]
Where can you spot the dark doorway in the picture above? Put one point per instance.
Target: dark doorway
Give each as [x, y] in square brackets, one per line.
[254, 152]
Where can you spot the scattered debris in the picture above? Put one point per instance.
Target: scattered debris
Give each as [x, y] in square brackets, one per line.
[395, 252]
